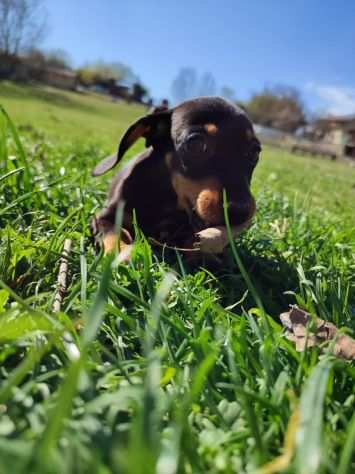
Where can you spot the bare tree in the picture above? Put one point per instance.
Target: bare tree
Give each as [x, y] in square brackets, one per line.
[207, 84]
[184, 86]
[23, 23]
[188, 84]
[228, 93]
[58, 58]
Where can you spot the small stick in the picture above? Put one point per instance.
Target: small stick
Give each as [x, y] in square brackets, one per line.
[160, 244]
[62, 276]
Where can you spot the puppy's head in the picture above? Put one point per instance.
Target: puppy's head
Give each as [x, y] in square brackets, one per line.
[209, 145]
[215, 145]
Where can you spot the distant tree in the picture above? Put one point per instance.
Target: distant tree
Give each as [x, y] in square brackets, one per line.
[188, 84]
[23, 23]
[57, 58]
[122, 72]
[184, 86]
[86, 76]
[138, 92]
[228, 93]
[207, 84]
[101, 71]
[279, 107]
[241, 105]
[35, 57]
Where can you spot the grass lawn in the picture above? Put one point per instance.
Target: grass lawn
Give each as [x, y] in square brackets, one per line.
[152, 367]
[66, 116]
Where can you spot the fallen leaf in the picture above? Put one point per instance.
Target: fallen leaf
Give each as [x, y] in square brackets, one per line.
[307, 331]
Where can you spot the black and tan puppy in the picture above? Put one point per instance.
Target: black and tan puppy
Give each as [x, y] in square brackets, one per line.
[196, 150]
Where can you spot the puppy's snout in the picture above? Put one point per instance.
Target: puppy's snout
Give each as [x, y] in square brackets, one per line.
[240, 212]
[209, 206]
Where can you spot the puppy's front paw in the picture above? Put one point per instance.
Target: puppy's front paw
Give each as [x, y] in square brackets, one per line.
[211, 240]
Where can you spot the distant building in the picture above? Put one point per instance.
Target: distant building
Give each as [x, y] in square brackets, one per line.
[269, 134]
[62, 78]
[113, 88]
[338, 131]
[34, 68]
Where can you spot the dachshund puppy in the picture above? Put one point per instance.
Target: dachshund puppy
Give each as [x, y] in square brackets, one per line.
[175, 187]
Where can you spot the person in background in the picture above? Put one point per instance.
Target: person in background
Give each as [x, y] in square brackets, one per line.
[164, 105]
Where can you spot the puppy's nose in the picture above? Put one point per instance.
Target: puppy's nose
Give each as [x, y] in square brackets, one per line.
[239, 212]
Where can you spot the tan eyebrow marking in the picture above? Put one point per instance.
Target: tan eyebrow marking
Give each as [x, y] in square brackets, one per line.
[211, 128]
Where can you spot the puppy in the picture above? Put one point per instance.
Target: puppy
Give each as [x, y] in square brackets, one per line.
[175, 187]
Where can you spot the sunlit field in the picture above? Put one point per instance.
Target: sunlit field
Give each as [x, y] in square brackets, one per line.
[159, 366]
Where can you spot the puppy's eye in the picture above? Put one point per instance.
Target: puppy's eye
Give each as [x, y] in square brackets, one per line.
[195, 144]
[253, 153]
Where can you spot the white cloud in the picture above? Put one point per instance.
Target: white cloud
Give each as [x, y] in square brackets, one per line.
[336, 100]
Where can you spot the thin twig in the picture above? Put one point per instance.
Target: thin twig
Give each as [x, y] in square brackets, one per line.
[160, 244]
[62, 276]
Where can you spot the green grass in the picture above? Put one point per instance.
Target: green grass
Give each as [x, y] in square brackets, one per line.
[155, 366]
[66, 115]
[317, 184]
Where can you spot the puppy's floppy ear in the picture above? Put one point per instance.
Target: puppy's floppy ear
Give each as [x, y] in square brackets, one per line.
[154, 127]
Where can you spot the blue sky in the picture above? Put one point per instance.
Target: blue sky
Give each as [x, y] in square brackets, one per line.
[245, 44]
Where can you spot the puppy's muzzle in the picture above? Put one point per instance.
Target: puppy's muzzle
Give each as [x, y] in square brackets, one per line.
[241, 212]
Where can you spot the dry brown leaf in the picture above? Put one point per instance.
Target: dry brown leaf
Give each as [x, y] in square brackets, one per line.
[307, 331]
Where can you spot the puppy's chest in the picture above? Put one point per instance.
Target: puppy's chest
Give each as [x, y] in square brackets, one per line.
[202, 196]
[148, 190]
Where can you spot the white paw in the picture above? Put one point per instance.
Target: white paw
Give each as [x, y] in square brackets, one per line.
[212, 240]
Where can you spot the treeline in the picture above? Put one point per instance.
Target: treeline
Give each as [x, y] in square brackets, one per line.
[54, 68]
[277, 107]
[23, 23]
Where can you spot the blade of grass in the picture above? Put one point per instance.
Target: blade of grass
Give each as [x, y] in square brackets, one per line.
[241, 267]
[23, 158]
[22, 371]
[11, 173]
[94, 315]
[309, 436]
[346, 456]
[68, 389]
